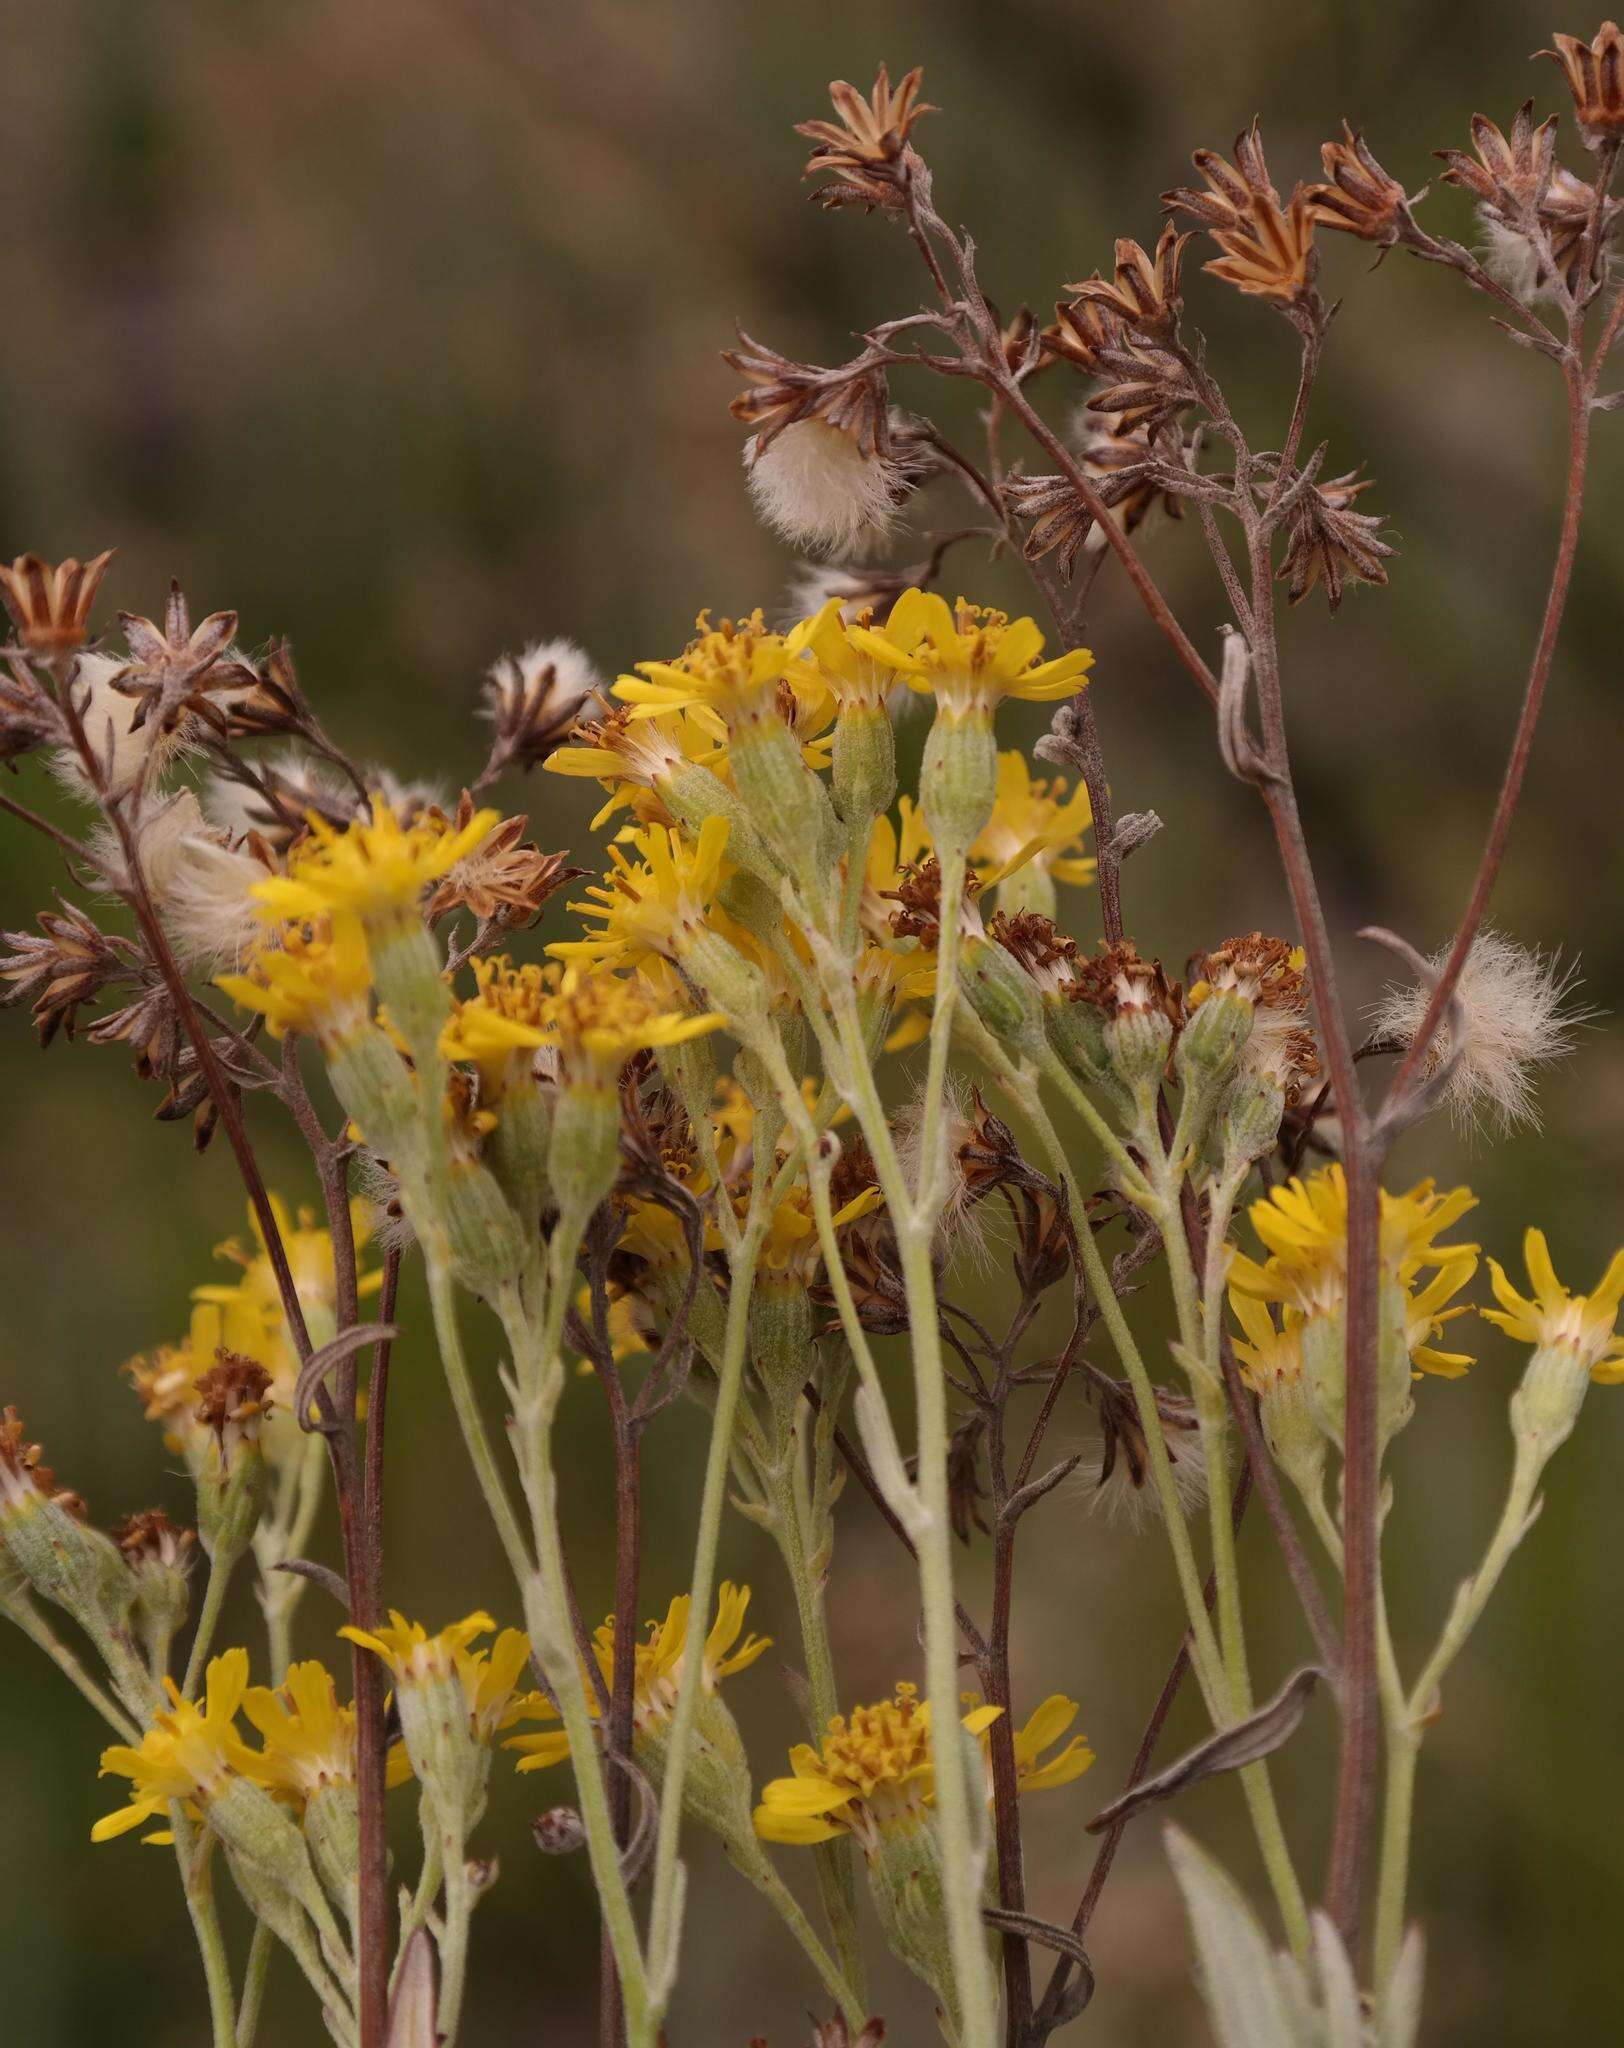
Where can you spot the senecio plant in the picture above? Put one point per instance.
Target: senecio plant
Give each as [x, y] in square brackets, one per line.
[725, 1144]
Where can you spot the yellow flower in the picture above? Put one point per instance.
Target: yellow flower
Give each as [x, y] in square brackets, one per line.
[1581, 1323]
[1425, 1316]
[629, 754]
[502, 1022]
[1033, 822]
[657, 1670]
[1270, 1357]
[968, 656]
[1044, 1728]
[165, 1380]
[190, 1751]
[653, 907]
[876, 1773]
[489, 1678]
[599, 1020]
[375, 868]
[309, 1738]
[728, 676]
[853, 676]
[1304, 1228]
[313, 978]
[790, 1253]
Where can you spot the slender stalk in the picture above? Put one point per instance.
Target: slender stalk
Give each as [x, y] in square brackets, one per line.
[198, 1885]
[214, 1593]
[253, 1984]
[39, 1631]
[784, 1902]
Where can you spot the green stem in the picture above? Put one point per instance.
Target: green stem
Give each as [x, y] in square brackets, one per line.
[198, 1885]
[428, 1886]
[253, 1984]
[459, 1909]
[220, 1569]
[280, 1592]
[465, 1402]
[772, 1887]
[39, 1631]
[665, 1910]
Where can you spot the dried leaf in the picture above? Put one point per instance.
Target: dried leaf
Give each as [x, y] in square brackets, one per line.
[414, 2008]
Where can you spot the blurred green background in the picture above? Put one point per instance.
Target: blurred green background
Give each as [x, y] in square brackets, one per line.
[396, 328]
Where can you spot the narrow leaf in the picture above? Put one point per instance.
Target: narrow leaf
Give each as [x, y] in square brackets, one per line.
[1237, 1966]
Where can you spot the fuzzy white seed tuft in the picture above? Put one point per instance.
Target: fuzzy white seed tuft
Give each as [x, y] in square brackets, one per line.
[813, 484]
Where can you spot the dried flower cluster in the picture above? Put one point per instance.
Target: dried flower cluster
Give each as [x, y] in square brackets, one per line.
[734, 1138]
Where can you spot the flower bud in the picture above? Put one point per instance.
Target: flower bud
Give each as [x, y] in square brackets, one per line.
[788, 805]
[732, 984]
[517, 1149]
[864, 764]
[905, 1882]
[486, 1240]
[583, 1157]
[232, 1475]
[1136, 1044]
[694, 793]
[1004, 996]
[1546, 1405]
[408, 974]
[333, 1834]
[1248, 1120]
[958, 777]
[160, 1556]
[1294, 1436]
[376, 1088]
[1212, 1038]
[1325, 1372]
[1077, 1036]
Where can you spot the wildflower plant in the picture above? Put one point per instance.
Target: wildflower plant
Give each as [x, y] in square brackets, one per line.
[725, 1141]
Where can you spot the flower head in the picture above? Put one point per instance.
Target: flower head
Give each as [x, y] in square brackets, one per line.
[657, 1671]
[375, 868]
[728, 674]
[1267, 244]
[654, 906]
[50, 603]
[598, 1020]
[864, 147]
[1033, 822]
[968, 656]
[314, 978]
[1550, 1316]
[1595, 77]
[190, 1752]
[309, 1739]
[875, 1773]
[634, 758]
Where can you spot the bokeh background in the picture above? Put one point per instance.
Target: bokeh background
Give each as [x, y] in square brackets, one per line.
[394, 324]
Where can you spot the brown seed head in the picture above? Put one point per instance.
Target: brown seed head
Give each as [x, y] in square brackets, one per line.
[865, 147]
[854, 400]
[1327, 541]
[1267, 243]
[1265, 971]
[1117, 979]
[1595, 77]
[1509, 174]
[1360, 198]
[174, 671]
[69, 963]
[506, 879]
[232, 1397]
[1145, 296]
[50, 605]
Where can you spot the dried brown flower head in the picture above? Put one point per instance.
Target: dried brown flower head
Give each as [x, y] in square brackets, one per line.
[1327, 541]
[69, 963]
[534, 700]
[174, 670]
[22, 1475]
[506, 879]
[1509, 174]
[1034, 942]
[231, 1399]
[1117, 978]
[1595, 77]
[150, 1537]
[1145, 296]
[50, 604]
[1266, 971]
[852, 399]
[918, 897]
[1267, 243]
[28, 718]
[864, 147]
[1360, 198]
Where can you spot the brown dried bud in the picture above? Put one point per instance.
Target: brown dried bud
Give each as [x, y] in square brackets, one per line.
[1267, 244]
[506, 879]
[71, 964]
[1328, 541]
[534, 700]
[1595, 77]
[232, 1397]
[150, 1537]
[50, 605]
[864, 146]
[966, 1448]
[1510, 173]
[28, 718]
[22, 1474]
[1117, 979]
[1265, 972]
[918, 897]
[174, 670]
[1360, 199]
[1145, 296]
[1036, 944]
[559, 1831]
[852, 399]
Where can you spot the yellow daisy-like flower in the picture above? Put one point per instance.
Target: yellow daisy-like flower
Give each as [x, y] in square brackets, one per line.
[489, 1677]
[375, 869]
[629, 754]
[495, 1028]
[653, 907]
[311, 977]
[727, 676]
[165, 1380]
[1033, 823]
[1270, 1357]
[876, 1772]
[790, 1254]
[1425, 1315]
[598, 1020]
[967, 656]
[1582, 1323]
[1044, 1727]
[309, 1738]
[852, 674]
[658, 1665]
[1304, 1228]
[190, 1752]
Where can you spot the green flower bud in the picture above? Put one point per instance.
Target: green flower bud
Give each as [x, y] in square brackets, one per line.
[1550, 1394]
[409, 976]
[160, 1556]
[1136, 1043]
[958, 777]
[1292, 1431]
[864, 763]
[1003, 995]
[376, 1088]
[486, 1239]
[716, 1786]
[732, 984]
[68, 1563]
[1248, 1120]
[1212, 1038]
[905, 1882]
[517, 1149]
[583, 1158]
[333, 1834]
[1325, 1368]
[1077, 1036]
[694, 793]
[788, 805]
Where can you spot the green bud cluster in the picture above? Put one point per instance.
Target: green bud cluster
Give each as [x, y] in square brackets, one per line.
[958, 778]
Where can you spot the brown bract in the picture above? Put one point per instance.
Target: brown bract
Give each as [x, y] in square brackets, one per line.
[864, 147]
[1145, 295]
[150, 1537]
[1360, 198]
[1267, 243]
[1595, 77]
[506, 879]
[1327, 541]
[68, 963]
[50, 604]
[174, 670]
[534, 710]
[851, 398]
[1509, 173]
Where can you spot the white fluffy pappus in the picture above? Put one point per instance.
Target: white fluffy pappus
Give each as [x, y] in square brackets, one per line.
[1515, 1017]
[1117, 1497]
[574, 674]
[813, 485]
[207, 902]
[108, 717]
